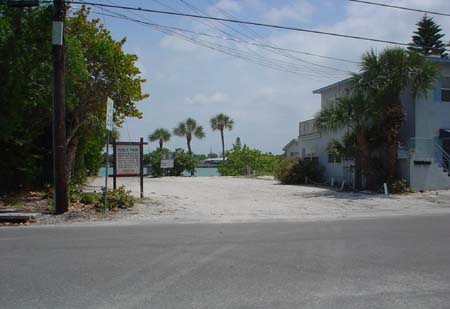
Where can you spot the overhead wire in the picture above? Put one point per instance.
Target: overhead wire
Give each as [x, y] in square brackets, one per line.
[401, 7]
[276, 51]
[321, 73]
[261, 61]
[270, 62]
[259, 24]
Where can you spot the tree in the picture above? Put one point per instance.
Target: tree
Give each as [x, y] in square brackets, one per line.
[427, 38]
[96, 68]
[241, 161]
[237, 143]
[221, 122]
[100, 69]
[189, 129]
[161, 135]
[358, 114]
[384, 77]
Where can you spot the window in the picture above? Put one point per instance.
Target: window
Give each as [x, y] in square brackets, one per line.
[333, 158]
[445, 89]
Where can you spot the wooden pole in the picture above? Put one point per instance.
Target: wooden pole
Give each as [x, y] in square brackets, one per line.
[59, 111]
[141, 165]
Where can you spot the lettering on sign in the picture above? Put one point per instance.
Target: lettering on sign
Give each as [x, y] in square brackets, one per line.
[167, 163]
[128, 159]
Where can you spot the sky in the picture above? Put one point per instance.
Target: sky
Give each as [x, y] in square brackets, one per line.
[266, 93]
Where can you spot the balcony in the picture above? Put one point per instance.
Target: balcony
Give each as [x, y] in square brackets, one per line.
[308, 127]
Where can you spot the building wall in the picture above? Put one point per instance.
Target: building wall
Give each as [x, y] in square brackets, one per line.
[431, 115]
[316, 146]
[292, 151]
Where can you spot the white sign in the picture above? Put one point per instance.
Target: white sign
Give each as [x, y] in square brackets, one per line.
[167, 163]
[128, 159]
[57, 33]
[109, 114]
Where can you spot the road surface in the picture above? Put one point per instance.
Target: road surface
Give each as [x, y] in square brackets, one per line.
[401, 262]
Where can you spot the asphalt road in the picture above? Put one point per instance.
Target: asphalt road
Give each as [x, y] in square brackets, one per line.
[376, 263]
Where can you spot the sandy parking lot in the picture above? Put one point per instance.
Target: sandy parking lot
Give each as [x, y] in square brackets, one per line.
[231, 199]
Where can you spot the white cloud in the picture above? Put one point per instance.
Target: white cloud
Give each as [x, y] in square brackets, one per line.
[203, 99]
[228, 5]
[184, 80]
[297, 11]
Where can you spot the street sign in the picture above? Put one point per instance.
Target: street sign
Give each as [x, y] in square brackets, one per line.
[167, 163]
[109, 114]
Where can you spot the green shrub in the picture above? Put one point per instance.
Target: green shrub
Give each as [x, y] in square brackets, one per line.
[295, 171]
[118, 198]
[183, 161]
[154, 158]
[399, 186]
[238, 159]
[91, 198]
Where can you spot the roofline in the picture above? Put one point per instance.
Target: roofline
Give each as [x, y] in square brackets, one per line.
[437, 59]
[288, 144]
[320, 90]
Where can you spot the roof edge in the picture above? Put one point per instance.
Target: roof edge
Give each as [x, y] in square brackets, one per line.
[320, 90]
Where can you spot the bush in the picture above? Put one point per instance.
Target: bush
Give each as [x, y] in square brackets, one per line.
[399, 186]
[237, 161]
[91, 198]
[118, 198]
[183, 161]
[294, 171]
[154, 158]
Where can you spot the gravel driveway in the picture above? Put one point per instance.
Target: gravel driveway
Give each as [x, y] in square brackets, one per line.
[234, 199]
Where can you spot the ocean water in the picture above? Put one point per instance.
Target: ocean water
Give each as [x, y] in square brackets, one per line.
[200, 171]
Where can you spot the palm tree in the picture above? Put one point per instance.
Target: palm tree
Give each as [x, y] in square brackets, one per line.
[384, 77]
[188, 129]
[357, 114]
[221, 122]
[160, 134]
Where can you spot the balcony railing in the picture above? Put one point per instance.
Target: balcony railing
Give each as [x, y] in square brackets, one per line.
[307, 127]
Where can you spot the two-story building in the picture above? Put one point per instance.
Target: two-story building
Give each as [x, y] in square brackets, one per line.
[423, 156]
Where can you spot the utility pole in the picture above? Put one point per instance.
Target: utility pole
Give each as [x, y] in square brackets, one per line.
[59, 110]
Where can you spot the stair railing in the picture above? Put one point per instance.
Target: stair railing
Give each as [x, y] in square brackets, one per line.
[442, 157]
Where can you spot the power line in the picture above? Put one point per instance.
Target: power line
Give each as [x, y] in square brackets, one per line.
[284, 64]
[244, 42]
[274, 64]
[276, 51]
[400, 7]
[248, 23]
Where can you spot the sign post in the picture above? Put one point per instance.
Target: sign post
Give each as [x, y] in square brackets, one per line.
[129, 161]
[109, 127]
[141, 165]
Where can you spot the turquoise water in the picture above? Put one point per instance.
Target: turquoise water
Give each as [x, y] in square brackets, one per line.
[200, 171]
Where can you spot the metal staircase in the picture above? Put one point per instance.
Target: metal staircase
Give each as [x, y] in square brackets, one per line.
[442, 158]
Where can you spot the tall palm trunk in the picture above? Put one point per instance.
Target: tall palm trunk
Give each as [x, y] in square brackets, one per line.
[161, 144]
[188, 140]
[393, 119]
[361, 158]
[223, 145]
